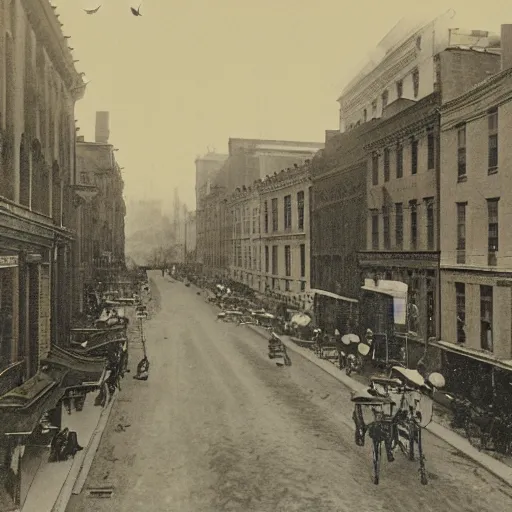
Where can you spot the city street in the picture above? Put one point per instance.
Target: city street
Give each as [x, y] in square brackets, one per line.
[218, 426]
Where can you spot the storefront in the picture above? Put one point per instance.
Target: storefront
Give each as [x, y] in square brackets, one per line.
[334, 311]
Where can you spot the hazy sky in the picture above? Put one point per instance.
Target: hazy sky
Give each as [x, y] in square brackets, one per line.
[190, 74]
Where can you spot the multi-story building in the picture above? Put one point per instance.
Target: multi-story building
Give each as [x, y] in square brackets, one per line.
[271, 234]
[476, 249]
[404, 66]
[207, 168]
[416, 71]
[39, 86]
[190, 238]
[101, 219]
[249, 160]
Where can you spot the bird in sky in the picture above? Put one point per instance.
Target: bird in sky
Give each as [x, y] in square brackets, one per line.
[136, 12]
[92, 11]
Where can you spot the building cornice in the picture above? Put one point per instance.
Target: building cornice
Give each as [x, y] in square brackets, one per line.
[481, 90]
[44, 22]
[379, 78]
[476, 105]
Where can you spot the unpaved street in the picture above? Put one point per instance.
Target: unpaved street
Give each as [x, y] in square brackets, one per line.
[219, 427]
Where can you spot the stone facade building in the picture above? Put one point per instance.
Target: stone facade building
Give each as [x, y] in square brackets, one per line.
[476, 251]
[39, 86]
[271, 235]
[101, 209]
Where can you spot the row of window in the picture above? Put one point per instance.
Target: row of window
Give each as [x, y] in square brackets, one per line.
[492, 231]
[412, 208]
[492, 146]
[287, 260]
[287, 213]
[399, 158]
[384, 98]
[486, 315]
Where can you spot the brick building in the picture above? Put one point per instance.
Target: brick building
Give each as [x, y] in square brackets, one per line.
[39, 86]
[101, 210]
[476, 249]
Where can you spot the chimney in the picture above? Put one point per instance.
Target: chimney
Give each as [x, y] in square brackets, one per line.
[506, 46]
[102, 132]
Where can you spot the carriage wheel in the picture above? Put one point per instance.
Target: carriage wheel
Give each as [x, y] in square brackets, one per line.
[423, 469]
[377, 452]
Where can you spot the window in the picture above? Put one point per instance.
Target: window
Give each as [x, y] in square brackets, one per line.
[493, 231]
[386, 232]
[492, 120]
[287, 212]
[375, 230]
[486, 326]
[375, 169]
[386, 164]
[247, 221]
[302, 260]
[461, 152]
[287, 285]
[267, 259]
[274, 260]
[287, 260]
[460, 311]
[461, 233]
[431, 150]
[399, 225]
[255, 220]
[414, 156]
[374, 108]
[416, 82]
[399, 161]
[414, 224]
[418, 43]
[265, 216]
[365, 115]
[430, 223]
[399, 89]
[385, 98]
[275, 215]
[300, 209]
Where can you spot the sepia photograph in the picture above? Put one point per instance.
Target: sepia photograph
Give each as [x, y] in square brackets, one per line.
[254, 256]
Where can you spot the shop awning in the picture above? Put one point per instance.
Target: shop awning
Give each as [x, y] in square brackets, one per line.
[81, 370]
[476, 355]
[394, 289]
[22, 407]
[333, 295]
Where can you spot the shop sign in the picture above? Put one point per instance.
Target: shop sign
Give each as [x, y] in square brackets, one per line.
[8, 261]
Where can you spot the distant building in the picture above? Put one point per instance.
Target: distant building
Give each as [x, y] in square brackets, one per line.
[249, 160]
[190, 238]
[207, 168]
[101, 208]
[476, 245]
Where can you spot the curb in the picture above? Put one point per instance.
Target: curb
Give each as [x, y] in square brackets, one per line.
[79, 471]
[493, 466]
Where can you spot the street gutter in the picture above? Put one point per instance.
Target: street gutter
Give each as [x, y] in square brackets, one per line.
[493, 466]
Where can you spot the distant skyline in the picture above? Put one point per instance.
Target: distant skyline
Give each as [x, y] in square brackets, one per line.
[185, 77]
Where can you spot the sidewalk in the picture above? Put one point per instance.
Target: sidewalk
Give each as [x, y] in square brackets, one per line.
[52, 478]
[494, 466]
